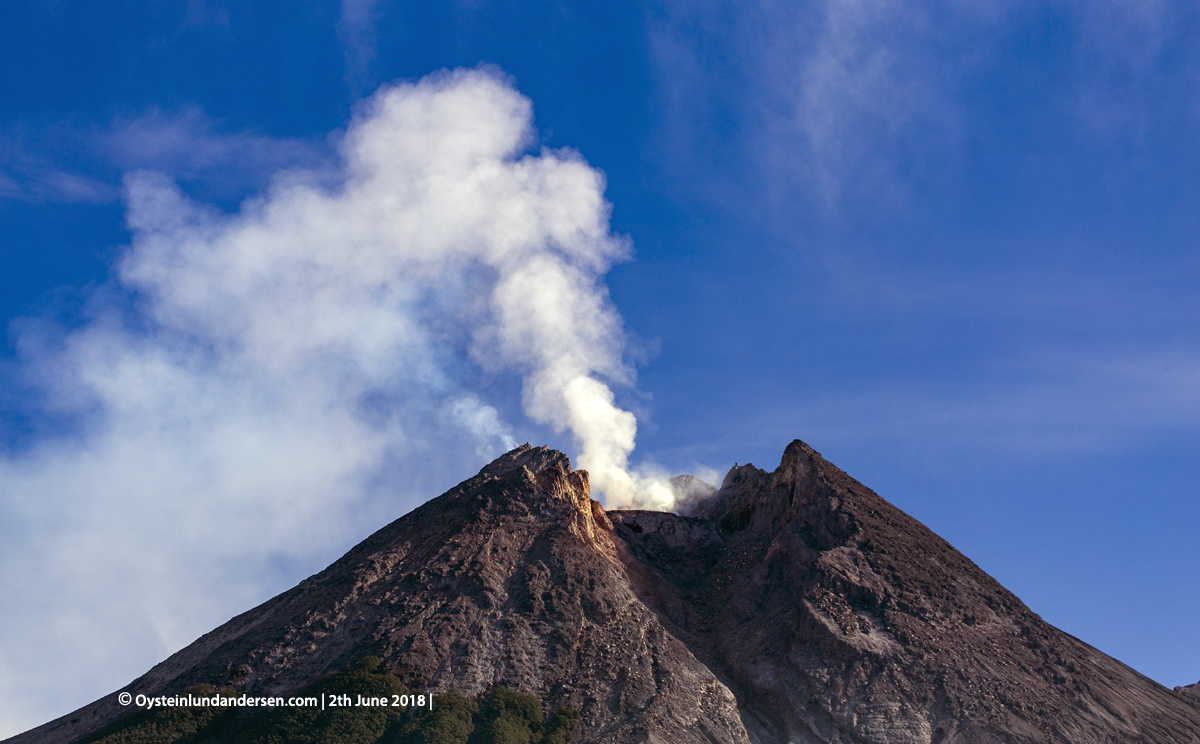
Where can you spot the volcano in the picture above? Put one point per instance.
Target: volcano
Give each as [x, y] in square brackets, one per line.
[789, 606]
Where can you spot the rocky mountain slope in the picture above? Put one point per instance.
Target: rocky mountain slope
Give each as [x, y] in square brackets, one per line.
[793, 606]
[835, 617]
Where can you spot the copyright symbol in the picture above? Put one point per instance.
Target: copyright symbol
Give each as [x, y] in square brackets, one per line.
[124, 698]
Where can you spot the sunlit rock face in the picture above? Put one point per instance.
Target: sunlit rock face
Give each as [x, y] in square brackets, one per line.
[789, 606]
[513, 577]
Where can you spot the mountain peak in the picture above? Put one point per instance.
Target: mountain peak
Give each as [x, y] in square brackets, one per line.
[533, 459]
[791, 606]
[548, 470]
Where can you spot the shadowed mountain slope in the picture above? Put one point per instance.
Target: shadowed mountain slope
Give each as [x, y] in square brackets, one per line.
[794, 606]
[835, 617]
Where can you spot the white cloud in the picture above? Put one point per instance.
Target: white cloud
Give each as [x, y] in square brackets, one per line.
[860, 98]
[275, 381]
[827, 94]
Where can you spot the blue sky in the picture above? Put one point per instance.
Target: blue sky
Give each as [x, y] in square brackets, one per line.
[953, 246]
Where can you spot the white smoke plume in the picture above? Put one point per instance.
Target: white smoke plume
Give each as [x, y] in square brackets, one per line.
[287, 369]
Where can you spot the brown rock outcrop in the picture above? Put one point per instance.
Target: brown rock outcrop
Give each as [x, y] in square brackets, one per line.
[793, 606]
[835, 617]
[510, 578]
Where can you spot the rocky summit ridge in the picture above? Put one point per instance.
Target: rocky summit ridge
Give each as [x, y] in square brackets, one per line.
[790, 606]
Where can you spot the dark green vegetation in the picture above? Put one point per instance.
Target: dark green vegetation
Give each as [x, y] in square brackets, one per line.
[505, 717]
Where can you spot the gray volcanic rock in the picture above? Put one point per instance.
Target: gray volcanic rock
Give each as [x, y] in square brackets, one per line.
[1192, 690]
[835, 617]
[791, 607]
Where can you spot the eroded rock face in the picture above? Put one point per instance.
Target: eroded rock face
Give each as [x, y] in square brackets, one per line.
[835, 617]
[793, 606]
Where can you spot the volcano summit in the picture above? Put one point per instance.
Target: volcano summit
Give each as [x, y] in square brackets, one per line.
[791, 606]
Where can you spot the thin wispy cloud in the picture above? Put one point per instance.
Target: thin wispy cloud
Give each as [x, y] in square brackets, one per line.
[190, 146]
[1128, 368]
[1122, 45]
[57, 186]
[1042, 408]
[841, 99]
[357, 32]
[8, 186]
[831, 92]
[66, 161]
[31, 171]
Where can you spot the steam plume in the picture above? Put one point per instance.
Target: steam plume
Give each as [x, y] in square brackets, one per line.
[286, 365]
